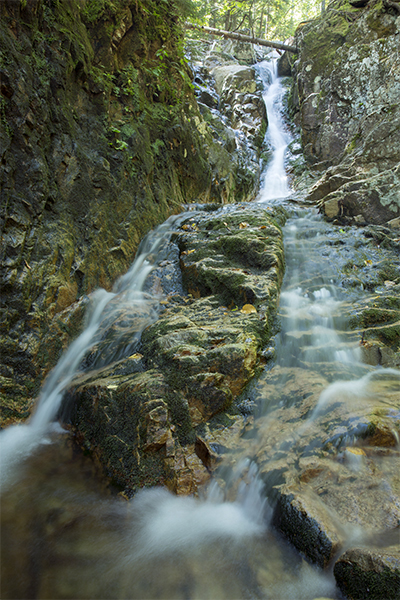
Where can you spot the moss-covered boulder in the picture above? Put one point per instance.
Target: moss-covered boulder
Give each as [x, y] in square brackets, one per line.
[144, 415]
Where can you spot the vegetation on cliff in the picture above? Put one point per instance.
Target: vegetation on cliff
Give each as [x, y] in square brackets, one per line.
[98, 144]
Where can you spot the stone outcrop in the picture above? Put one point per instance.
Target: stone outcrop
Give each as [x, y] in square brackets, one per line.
[144, 415]
[375, 574]
[346, 102]
[229, 96]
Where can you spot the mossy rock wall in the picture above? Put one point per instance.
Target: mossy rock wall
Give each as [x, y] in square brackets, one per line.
[98, 144]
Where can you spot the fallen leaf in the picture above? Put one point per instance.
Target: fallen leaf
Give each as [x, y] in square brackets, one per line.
[243, 225]
[357, 451]
[389, 284]
[248, 309]
[136, 356]
[368, 262]
[263, 227]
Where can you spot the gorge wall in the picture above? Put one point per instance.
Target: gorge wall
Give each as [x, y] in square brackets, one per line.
[346, 101]
[101, 139]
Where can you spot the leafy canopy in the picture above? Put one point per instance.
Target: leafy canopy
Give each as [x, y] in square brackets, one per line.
[269, 19]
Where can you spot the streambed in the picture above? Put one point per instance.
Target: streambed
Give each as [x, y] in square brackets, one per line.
[67, 535]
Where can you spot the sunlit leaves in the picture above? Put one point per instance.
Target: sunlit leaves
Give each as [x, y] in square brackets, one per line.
[269, 19]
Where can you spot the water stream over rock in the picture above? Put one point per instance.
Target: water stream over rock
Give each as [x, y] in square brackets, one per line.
[318, 464]
[275, 181]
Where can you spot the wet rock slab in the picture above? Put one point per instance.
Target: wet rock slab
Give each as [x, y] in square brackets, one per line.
[308, 525]
[145, 415]
[330, 463]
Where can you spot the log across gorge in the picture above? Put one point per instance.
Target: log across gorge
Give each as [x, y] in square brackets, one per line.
[243, 38]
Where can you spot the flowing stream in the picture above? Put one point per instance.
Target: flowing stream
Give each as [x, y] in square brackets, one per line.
[65, 536]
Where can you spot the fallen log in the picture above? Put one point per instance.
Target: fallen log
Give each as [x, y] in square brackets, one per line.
[242, 38]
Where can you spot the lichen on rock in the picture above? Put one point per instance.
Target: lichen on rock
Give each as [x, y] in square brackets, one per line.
[346, 102]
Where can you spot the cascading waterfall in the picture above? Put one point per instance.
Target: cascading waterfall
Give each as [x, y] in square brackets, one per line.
[274, 181]
[18, 441]
[162, 546]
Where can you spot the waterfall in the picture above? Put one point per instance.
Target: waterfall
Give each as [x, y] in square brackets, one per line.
[220, 546]
[18, 441]
[274, 180]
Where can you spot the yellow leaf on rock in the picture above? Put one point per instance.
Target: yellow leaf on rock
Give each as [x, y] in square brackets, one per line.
[368, 262]
[243, 225]
[263, 227]
[248, 309]
[357, 451]
[136, 356]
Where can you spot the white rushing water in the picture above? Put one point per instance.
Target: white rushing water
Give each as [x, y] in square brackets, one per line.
[310, 309]
[18, 441]
[274, 180]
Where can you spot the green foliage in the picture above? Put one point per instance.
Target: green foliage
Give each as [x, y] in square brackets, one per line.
[42, 69]
[93, 10]
[3, 118]
[269, 19]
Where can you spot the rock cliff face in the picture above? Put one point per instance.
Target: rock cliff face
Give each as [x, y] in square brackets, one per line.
[347, 86]
[101, 139]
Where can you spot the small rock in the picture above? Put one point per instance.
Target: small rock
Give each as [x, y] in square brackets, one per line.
[306, 522]
[394, 223]
[331, 208]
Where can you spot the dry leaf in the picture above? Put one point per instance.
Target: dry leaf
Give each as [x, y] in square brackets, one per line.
[357, 451]
[368, 262]
[263, 227]
[243, 225]
[248, 309]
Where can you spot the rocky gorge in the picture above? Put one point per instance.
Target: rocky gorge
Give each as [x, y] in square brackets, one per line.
[166, 394]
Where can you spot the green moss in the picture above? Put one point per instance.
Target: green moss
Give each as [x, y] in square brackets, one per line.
[3, 118]
[389, 272]
[380, 26]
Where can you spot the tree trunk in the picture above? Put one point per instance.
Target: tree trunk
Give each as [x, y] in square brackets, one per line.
[242, 38]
